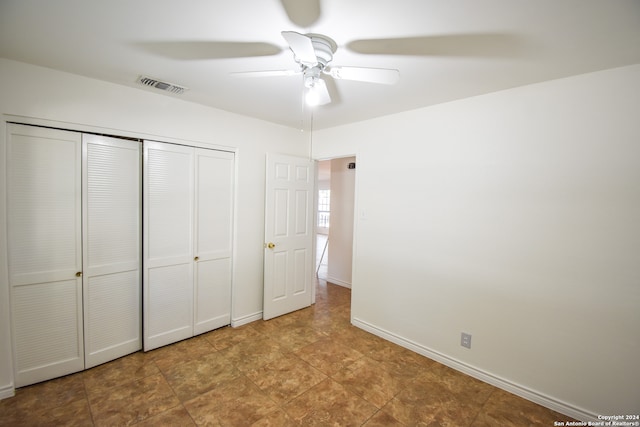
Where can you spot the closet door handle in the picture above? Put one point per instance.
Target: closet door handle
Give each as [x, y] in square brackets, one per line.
[79, 274]
[196, 258]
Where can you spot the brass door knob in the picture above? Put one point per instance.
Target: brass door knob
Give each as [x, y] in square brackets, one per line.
[271, 245]
[196, 258]
[79, 274]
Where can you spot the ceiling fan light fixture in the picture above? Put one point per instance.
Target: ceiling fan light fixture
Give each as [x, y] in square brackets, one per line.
[317, 93]
[312, 97]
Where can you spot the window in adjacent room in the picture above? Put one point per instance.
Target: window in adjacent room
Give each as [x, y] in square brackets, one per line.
[324, 197]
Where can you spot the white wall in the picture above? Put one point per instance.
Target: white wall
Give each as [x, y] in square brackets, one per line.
[340, 257]
[80, 103]
[513, 216]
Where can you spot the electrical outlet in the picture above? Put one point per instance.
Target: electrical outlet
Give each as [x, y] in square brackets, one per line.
[465, 340]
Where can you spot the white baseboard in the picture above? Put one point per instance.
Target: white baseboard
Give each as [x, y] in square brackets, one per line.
[7, 391]
[487, 377]
[338, 282]
[246, 319]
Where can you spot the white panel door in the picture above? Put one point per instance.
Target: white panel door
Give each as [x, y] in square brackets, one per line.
[112, 247]
[288, 258]
[168, 243]
[45, 252]
[213, 243]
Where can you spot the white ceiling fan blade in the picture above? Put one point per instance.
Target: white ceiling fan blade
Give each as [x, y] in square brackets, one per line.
[302, 47]
[372, 75]
[268, 73]
[303, 13]
[193, 50]
[496, 45]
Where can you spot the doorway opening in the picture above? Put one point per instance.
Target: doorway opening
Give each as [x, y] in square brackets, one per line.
[334, 220]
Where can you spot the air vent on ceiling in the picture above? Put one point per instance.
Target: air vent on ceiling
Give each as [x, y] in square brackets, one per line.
[158, 84]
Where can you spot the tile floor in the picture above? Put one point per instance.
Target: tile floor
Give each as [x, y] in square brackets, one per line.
[310, 367]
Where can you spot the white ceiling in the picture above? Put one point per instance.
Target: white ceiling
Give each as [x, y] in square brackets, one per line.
[444, 49]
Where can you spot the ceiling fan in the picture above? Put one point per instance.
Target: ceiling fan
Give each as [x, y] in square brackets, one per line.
[313, 53]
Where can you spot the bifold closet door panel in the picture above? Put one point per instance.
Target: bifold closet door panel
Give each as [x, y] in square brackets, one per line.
[45, 252]
[112, 249]
[168, 193]
[213, 239]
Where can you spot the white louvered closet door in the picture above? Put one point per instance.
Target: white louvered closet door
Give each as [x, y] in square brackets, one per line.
[167, 243]
[112, 248]
[213, 243]
[44, 247]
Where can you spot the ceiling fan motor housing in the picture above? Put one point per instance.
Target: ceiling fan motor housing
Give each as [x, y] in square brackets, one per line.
[324, 48]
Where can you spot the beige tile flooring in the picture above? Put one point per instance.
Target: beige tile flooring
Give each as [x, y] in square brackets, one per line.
[310, 367]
